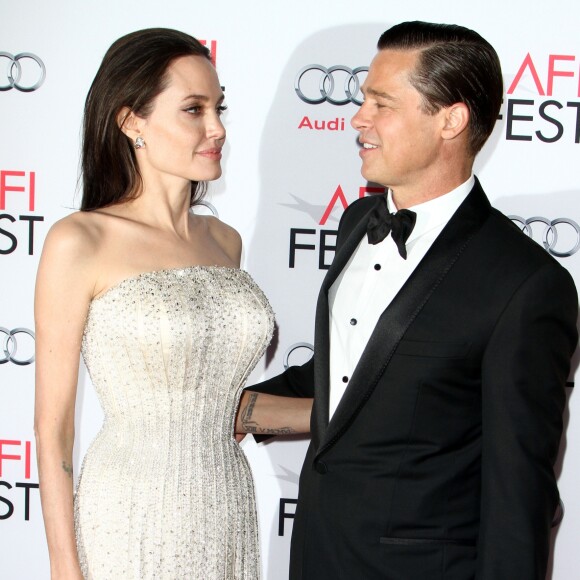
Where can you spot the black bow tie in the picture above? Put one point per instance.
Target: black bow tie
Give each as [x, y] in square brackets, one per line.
[399, 225]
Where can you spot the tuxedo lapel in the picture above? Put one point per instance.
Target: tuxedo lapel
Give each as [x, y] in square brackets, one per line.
[322, 338]
[400, 314]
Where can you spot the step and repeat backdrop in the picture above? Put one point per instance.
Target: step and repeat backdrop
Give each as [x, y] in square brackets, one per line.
[291, 74]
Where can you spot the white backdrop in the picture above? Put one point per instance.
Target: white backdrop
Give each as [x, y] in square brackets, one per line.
[290, 166]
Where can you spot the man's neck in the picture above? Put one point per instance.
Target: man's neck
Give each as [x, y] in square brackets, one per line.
[408, 195]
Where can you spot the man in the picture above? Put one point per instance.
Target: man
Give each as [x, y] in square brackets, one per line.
[440, 363]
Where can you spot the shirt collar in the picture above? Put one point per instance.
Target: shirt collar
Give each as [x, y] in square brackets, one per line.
[438, 211]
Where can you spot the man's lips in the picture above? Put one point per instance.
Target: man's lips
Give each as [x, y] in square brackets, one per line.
[366, 148]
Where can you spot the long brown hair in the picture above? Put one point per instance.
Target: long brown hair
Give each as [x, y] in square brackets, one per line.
[132, 74]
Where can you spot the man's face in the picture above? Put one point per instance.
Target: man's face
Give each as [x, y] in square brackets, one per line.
[401, 143]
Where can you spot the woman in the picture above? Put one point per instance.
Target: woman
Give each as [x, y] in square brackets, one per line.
[169, 328]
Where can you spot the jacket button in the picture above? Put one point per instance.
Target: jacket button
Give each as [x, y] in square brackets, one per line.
[320, 466]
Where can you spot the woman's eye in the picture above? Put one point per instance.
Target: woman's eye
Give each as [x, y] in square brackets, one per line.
[193, 110]
[221, 109]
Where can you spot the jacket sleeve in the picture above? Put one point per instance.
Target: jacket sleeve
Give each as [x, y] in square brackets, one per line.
[525, 368]
[296, 381]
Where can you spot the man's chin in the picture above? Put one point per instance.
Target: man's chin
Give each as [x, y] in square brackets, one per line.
[372, 177]
[366, 173]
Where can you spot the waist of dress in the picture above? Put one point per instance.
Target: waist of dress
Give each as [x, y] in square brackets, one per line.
[160, 433]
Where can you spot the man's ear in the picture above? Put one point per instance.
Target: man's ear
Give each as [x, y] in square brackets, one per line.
[456, 120]
[129, 123]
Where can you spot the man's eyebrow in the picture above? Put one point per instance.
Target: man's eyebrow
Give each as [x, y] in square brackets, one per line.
[375, 93]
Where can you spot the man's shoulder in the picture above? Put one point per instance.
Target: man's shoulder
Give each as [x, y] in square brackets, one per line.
[511, 244]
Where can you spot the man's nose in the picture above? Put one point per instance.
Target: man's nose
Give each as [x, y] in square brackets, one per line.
[360, 119]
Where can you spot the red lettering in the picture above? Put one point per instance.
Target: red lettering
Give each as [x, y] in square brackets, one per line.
[27, 455]
[336, 124]
[27, 462]
[552, 72]
[338, 194]
[528, 63]
[3, 456]
[32, 191]
[5, 187]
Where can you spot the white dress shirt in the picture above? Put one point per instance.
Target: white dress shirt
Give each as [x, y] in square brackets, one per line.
[370, 281]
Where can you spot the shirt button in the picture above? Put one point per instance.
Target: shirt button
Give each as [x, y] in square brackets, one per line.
[377, 266]
[345, 379]
[353, 321]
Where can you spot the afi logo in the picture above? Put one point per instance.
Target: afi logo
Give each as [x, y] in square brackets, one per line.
[19, 454]
[556, 68]
[549, 119]
[17, 188]
[297, 239]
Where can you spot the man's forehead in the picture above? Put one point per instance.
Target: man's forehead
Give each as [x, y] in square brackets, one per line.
[387, 67]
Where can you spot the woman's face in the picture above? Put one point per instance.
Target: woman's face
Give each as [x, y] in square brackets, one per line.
[183, 134]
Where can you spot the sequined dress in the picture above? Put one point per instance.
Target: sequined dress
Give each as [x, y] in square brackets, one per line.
[165, 491]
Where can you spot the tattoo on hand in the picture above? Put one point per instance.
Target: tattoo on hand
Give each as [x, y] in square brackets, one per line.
[250, 426]
[68, 468]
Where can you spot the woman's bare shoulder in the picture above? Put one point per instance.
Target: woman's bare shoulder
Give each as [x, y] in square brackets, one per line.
[226, 236]
[76, 233]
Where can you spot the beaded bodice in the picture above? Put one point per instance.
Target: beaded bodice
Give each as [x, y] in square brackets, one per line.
[178, 337]
[165, 491]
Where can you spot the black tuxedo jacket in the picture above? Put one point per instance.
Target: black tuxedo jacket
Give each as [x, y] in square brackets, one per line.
[438, 462]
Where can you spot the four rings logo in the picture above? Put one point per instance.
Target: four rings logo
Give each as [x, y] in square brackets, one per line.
[560, 237]
[315, 84]
[16, 77]
[9, 346]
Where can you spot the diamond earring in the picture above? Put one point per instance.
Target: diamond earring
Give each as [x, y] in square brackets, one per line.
[139, 143]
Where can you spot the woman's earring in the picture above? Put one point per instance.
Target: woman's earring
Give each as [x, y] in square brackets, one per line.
[139, 143]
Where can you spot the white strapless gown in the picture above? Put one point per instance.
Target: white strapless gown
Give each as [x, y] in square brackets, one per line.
[165, 491]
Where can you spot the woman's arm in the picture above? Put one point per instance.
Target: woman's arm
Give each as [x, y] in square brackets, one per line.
[263, 414]
[63, 294]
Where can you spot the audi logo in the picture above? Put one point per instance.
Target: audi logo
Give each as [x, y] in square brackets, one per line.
[35, 72]
[9, 346]
[563, 230]
[307, 81]
[294, 347]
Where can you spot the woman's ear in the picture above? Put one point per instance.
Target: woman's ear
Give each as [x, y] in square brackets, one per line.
[456, 120]
[129, 123]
